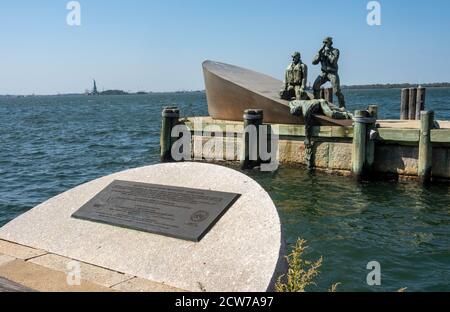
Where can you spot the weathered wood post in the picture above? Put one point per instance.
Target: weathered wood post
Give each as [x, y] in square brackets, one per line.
[420, 101]
[359, 143]
[404, 106]
[371, 137]
[425, 146]
[170, 118]
[250, 157]
[412, 103]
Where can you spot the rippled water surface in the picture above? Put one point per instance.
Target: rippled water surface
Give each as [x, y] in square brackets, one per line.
[51, 144]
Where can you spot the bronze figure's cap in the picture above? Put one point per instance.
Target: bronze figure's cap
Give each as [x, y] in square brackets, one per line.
[296, 54]
[327, 40]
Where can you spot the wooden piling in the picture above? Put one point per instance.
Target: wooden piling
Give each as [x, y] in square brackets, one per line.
[253, 118]
[371, 137]
[425, 146]
[404, 106]
[412, 103]
[170, 118]
[359, 144]
[420, 101]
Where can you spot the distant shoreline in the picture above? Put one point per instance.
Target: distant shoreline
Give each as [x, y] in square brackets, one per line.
[345, 87]
[397, 86]
[105, 93]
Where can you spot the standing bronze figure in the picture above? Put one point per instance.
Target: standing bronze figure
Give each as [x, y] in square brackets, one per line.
[295, 80]
[328, 56]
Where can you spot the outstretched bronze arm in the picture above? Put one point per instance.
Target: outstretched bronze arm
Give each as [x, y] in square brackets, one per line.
[285, 81]
[305, 77]
[319, 55]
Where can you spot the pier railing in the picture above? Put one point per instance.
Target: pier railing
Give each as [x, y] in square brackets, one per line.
[393, 135]
[405, 149]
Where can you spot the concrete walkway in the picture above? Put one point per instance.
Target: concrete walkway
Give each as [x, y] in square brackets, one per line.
[27, 269]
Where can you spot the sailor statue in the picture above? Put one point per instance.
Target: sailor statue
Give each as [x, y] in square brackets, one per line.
[295, 80]
[328, 56]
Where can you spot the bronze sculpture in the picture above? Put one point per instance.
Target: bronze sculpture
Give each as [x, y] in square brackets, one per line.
[230, 90]
[309, 109]
[295, 80]
[328, 56]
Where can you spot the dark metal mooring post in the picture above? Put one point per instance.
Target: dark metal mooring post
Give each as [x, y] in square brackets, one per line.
[250, 157]
[170, 118]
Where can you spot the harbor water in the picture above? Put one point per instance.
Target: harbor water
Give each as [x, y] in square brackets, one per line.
[51, 144]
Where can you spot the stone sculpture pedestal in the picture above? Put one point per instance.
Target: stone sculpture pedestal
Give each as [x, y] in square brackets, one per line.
[242, 252]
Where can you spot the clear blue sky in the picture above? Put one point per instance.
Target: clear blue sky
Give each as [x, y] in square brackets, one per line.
[159, 45]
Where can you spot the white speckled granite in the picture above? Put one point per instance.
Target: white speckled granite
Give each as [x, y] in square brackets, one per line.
[243, 252]
[19, 252]
[91, 273]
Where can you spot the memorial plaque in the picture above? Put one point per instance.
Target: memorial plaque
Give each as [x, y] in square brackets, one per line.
[178, 212]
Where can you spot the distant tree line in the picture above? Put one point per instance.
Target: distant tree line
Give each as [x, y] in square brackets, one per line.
[399, 85]
[113, 92]
[121, 92]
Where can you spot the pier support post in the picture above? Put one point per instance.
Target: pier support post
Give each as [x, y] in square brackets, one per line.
[250, 157]
[359, 144]
[371, 137]
[425, 146]
[420, 101]
[404, 106]
[412, 103]
[170, 118]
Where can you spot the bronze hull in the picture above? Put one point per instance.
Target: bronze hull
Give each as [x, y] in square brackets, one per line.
[230, 90]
